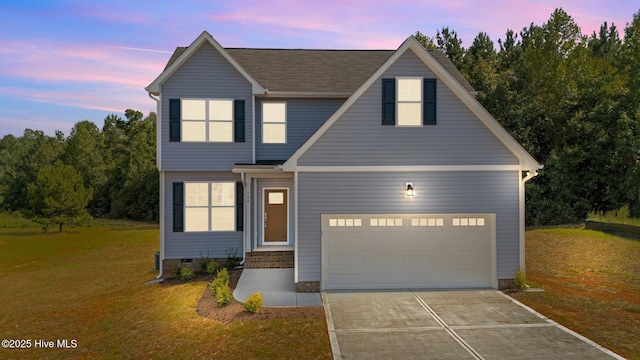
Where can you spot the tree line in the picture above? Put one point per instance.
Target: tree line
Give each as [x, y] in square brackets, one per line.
[572, 100]
[92, 172]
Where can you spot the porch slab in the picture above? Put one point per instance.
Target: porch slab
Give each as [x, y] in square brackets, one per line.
[277, 287]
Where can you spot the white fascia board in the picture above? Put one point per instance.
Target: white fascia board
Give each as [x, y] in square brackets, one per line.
[204, 38]
[408, 168]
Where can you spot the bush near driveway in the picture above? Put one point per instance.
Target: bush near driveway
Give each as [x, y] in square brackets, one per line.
[591, 282]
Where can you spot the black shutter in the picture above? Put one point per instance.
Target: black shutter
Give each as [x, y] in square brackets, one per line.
[429, 102]
[238, 120]
[178, 207]
[174, 120]
[388, 101]
[239, 206]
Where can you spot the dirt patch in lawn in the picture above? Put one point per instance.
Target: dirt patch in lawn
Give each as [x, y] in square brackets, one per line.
[209, 308]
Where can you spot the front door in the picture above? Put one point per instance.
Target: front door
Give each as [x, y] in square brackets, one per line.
[275, 216]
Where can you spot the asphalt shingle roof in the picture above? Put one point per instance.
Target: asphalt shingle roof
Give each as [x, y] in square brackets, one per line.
[335, 71]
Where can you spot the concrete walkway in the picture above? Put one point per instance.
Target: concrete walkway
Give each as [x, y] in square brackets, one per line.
[475, 324]
[277, 288]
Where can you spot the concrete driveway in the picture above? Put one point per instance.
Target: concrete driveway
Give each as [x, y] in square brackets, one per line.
[474, 324]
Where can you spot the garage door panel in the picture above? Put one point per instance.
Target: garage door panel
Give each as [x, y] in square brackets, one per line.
[354, 258]
[346, 279]
[409, 251]
[346, 241]
[387, 278]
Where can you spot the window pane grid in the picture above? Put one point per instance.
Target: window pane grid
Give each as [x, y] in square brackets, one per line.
[210, 206]
[274, 123]
[207, 120]
[409, 104]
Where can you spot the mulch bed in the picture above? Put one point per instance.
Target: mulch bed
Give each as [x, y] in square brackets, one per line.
[207, 306]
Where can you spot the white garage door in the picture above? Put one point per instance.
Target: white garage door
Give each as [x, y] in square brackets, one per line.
[408, 251]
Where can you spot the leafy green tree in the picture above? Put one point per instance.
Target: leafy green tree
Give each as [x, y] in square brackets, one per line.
[84, 149]
[607, 44]
[58, 197]
[449, 42]
[135, 182]
[20, 162]
[130, 128]
[425, 41]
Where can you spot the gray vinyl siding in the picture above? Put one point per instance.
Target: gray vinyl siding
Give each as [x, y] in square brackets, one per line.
[304, 117]
[276, 183]
[207, 74]
[185, 245]
[358, 138]
[383, 193]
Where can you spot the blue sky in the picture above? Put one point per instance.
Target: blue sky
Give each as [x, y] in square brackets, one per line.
[66, 61]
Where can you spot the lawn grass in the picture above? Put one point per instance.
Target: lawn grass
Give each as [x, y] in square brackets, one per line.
[88, 285]
[591, 282]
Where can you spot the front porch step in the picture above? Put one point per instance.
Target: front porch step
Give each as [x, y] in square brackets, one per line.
[269, 260]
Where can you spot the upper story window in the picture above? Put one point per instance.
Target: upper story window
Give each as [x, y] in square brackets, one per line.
[207, 120]
[274, 122]
[408, 101]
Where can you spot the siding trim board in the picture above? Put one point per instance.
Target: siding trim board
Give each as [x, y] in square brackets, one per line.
[408, 168]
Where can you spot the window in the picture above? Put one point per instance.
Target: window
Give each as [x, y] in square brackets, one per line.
[207, 120]
[209, 206]
[274, 123]
[409, 101]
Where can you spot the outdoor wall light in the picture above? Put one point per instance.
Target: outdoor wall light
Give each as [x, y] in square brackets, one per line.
[409, 189]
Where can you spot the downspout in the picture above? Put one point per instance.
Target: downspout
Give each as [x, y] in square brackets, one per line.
[161, 184]
[244, 212]
[528, 176]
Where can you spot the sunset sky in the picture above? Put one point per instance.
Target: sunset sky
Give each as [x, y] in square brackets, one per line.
[66, 61]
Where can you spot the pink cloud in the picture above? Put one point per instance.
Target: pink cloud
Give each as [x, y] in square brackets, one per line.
[64, 62]
[111, 99]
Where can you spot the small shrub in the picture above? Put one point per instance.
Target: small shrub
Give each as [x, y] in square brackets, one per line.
[254, 302]
[208, 265]
[232, 258]
[223, 295]
[221, 280]
[212, 267]
[521, 281]
[224, 275]
[185, 273]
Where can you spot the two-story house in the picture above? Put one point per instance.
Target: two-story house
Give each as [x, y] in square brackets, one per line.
[372, 169]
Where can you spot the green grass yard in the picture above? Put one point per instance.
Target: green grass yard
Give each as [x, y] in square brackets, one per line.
[591, 282]
[88, 285]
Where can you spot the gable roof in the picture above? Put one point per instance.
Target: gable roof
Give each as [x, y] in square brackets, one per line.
[179, 58]
[331, 72]
[445, 75]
